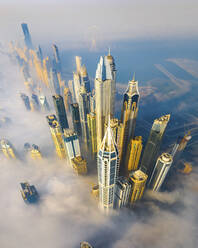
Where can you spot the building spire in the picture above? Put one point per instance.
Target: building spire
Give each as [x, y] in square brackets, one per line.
[109, 54]
[133, 77]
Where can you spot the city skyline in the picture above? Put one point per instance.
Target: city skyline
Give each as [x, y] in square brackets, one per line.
[49, 140]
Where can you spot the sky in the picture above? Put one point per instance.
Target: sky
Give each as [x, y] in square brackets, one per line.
[79, 21]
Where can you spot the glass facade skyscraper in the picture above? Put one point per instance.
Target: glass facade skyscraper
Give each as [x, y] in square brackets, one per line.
[160, 171]
[27, 36]
[152, 147]
[60, 111]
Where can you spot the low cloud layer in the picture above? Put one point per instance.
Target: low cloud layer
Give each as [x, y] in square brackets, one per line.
[66, 213]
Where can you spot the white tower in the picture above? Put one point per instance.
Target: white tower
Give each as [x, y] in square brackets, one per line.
[108, 169]
[104, 94]
[160, 171]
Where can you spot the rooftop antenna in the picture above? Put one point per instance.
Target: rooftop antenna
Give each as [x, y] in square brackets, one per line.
[133, 77]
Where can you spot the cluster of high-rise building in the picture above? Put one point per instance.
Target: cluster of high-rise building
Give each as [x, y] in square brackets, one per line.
[93, 134]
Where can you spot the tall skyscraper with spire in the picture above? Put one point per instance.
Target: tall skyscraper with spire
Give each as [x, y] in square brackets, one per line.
[153, 145]
[104, 93]
[129, 115]
[27, 36]
[108, 169]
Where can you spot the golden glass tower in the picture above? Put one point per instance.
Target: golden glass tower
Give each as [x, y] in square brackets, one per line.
[91, 122]
[7, 149]
[56, 136]
[134, 153]
[104, 94]
[35, 152]
[138, 180]
[84, 109]
[79, 165]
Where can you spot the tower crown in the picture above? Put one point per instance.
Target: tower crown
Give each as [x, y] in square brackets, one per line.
[133, 87]
[103, 71]
[108, 143]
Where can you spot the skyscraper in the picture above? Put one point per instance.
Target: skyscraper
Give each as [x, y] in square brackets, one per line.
[160, 171]
[129, 115]
[71, 89]
[153, 145]
[7, 149]
[46, 72]
[79, 165]
[104, 95]
[108, 169]
[60, 111]
[84, 109]
[35, 152]
[134, 153]
[56, 136]
[117, 128]
[77, 84]
[76, 118]
[85, 245]
[27, 36]
[72, 145]
[57, 61]
[39, 54]
[26, 101]
[138, 180]
[78, 64]
[54, 82]
[91, 122]
[122, 192]
[180, 146]
[44, 103]
[67, 98]
[35, 102]
[85, 78]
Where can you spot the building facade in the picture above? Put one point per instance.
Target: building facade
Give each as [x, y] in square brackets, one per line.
[134, 153]
[56, 136]
[72, 144]
[91, 122]
[122, 192]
